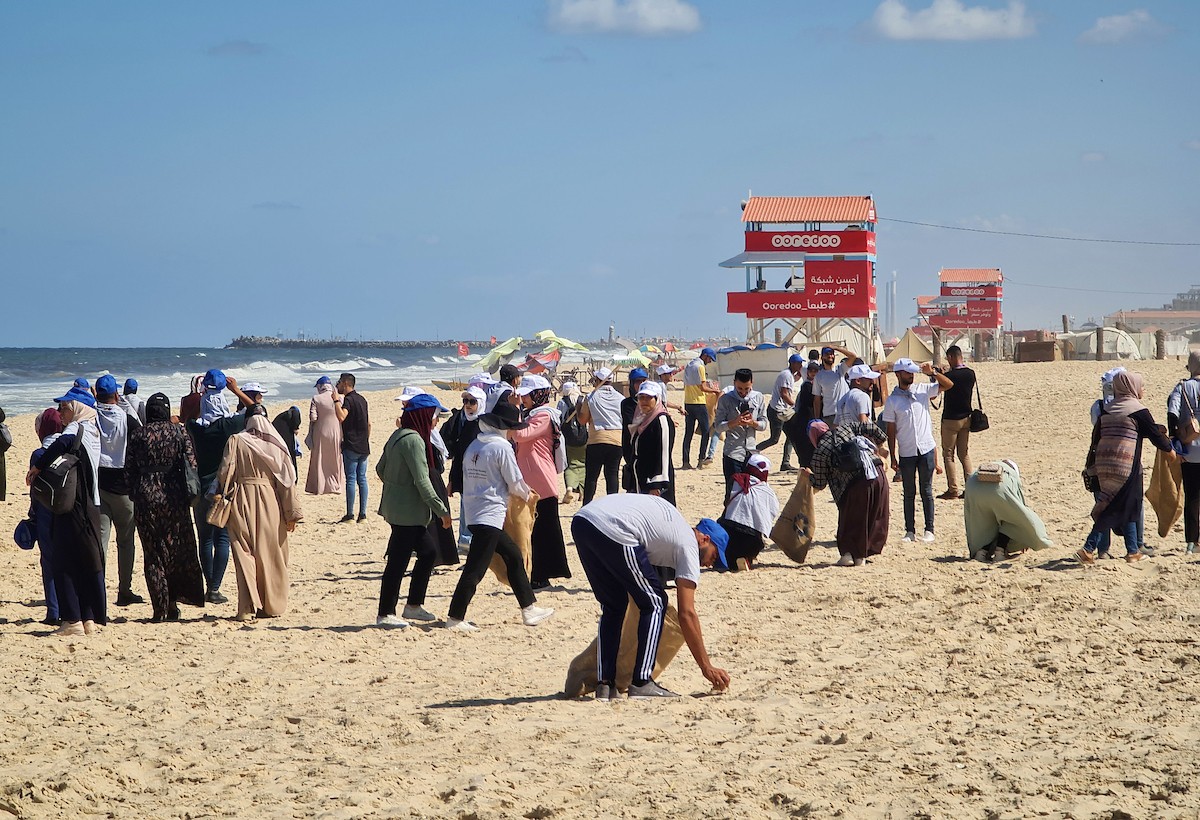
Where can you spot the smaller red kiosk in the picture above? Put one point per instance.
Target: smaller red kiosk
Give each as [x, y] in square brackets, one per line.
[970, 303]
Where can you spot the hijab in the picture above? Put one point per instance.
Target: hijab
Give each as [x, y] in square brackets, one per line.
[421, 420]
[261, 437]
[480, 399]
[1106, 385]
[816, 429]
[643, 420]
[83, 424]
[48, 423]
[287, 424]
[754, 472]
[158, 408]
[1127, 392]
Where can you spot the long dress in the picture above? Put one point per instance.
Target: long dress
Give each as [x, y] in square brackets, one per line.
[535, 457]
[155, 460]
[258, 538]
[325, 471]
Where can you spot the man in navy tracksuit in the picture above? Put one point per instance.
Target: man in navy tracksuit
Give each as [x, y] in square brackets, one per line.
[621, 538]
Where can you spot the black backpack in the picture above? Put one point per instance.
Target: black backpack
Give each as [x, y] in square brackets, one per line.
[574, 433]
[55, 487]
[849, 456]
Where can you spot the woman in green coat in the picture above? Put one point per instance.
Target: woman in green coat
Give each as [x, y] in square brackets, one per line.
[408, 503]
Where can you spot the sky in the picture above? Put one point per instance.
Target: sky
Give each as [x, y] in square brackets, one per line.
[176, 174]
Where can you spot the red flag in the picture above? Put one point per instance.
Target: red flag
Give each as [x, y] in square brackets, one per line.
[463, 350]
[493, 340]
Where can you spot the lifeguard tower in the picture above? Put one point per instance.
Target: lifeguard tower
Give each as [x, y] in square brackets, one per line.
[810, 272]
[970, 305]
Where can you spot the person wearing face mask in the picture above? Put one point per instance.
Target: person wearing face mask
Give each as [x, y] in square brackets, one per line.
[490, 476]
[458, 434]
[910, 439]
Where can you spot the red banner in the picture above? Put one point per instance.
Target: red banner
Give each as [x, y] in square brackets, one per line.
[831, 289]
[817, 242]
[984, 292]
[971, 315]
[463, 350]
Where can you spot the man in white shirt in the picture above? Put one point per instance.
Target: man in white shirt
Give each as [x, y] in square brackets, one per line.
[829, 385]
[856, 405]
[783, 400]
[741, 415]
[621, 538]
[910, 439]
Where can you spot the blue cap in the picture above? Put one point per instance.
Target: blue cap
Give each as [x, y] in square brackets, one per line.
[422, 400]
[79, 395]
[24, 534]
[130, 386]
[709, 352]
[796, 358]
[82, 383]
[106, 385]
[214, 380]
[323, 380]
[825, 350]
[638, 373]
[717, 535]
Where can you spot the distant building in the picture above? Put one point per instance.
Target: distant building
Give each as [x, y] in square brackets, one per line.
[1181, 316]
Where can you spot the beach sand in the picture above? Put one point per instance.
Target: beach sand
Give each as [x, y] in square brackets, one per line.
[923, 685]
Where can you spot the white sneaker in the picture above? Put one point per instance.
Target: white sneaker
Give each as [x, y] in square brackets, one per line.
[533, 614]
[927, 537]
[909, 536]
[391, 621]
[847, 560]
[860, 562]
[455, 625]
[418, 613]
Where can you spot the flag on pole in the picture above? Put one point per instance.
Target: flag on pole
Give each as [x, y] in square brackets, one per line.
[463, 350]
[493, 340]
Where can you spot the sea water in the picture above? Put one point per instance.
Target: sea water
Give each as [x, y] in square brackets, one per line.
[30, 378]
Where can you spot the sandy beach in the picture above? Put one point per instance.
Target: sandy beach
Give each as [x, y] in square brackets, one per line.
[923, 685]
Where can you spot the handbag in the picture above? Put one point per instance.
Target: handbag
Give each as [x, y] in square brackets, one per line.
[979, 419]
[1189, 430]
[191, 478]
[222, 504]
[5, 437]
[1091, 481]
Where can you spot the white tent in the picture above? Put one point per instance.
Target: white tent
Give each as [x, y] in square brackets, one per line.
[912, 347]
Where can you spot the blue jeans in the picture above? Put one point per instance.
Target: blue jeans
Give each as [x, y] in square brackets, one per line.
[912, 467]
[356, 474]
[214, 547]
[1102, 538]
[697, 416]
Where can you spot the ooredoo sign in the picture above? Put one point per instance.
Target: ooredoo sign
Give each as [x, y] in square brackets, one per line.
[831, 289]
[973, 291]
[838, 242]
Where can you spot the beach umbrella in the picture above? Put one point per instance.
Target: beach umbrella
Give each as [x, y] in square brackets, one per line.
[669, 347]
[631, 359]
[696, 346]
[650, 350]
[556, 342]
[500, 354]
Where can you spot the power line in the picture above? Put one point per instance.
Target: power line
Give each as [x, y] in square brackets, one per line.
[1010, 281]
[1044, 236]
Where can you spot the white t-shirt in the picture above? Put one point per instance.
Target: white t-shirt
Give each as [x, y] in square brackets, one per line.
[853, 406]
[784, 381]
[490, 476]
[830, 385]
[632, 518]
[909, 409]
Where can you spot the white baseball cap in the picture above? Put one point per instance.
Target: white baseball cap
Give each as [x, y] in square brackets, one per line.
[760, 461]
[409, 392]
[906, 366]
[861, 371]
[532, 382]
[650, 388]
[664, 369]
[603, 374]
[254, 387]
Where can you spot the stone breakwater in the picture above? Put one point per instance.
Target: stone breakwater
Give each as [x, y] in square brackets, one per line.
[269, 342]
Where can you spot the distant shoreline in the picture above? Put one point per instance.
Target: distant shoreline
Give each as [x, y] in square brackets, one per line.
[268, 342]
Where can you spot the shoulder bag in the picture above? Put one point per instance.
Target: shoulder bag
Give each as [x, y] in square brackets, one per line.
[222, 504]
[5, 437]
[979, 419]
[1189, 430]
[55, 487]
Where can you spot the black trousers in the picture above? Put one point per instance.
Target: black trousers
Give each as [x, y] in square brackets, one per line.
[598, 457]
[401, 546]
[485, 542]
[1191, 501]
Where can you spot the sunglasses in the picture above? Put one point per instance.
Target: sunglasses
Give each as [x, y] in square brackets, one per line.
[470, 401]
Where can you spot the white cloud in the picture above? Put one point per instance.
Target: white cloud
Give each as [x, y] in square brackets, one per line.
[1093, 156]
[1192, 145]
[645, 17]
[951, 20]
[1118, 28]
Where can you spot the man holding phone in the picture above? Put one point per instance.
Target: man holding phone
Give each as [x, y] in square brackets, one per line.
[741, 415]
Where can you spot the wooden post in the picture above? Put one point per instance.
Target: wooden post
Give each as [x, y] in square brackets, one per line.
[779, 336]
[937, 347]
[1066, 322]
[1160, 344]
[1100, 343]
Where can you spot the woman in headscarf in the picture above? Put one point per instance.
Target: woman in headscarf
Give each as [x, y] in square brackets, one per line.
[651, 441]
[1116, 457]
[326, 473]
[999, 524]
[3, 469]
[541, 456]
[458, 433]
[568, 411]
[78, 556]
[409, 503]
[157, 462]
[265, 509]
[749, 515]
[48, 426]
[189, 405]
[847, 460]
[287, 425]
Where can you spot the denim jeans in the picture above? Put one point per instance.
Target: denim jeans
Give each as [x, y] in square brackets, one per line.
[214, 547]
[356, 475]
[776, 423]
[1102, 538]
[697, 416]
[912, 468]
